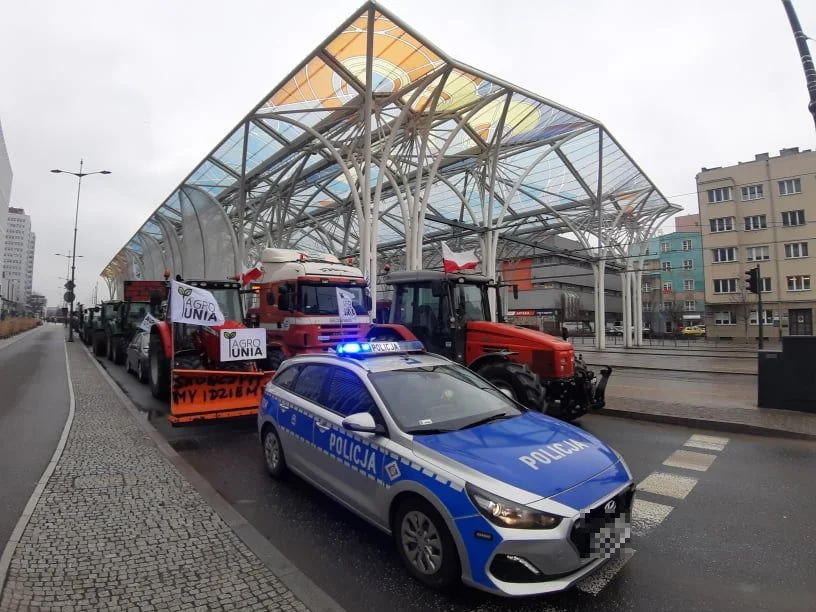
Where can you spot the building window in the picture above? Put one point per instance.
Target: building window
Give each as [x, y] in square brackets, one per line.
[687, 245]
[721, 194]
[791, 218]
[755, 222]
[688, 264]
[688, 285]
[667, 287]
[664, 247]
[722, 224]
[767, 319]
[752, 192]
[799, 283]
[646, 288]
[758, 253]
[724, 254]
[725, 318]
[765, 284]
[690, 305]
[790, 186]
[666, 265]
[795, 250]
[647, 307]
[725, 285]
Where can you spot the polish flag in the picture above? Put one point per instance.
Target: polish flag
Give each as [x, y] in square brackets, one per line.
[251, 274]
[454, 262]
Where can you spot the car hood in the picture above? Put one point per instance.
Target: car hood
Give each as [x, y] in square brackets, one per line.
[532, 452]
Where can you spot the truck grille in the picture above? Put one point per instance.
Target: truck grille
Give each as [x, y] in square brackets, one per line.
[335, 334]
[597, 518]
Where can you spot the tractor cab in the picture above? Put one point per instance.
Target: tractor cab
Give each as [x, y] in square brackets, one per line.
[437, 307]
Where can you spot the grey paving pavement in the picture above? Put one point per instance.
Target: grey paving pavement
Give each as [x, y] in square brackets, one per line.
[670, 361]
[33, 409]
[118, 527]
[683, 563]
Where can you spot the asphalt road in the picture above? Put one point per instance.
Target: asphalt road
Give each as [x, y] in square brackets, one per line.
[33, 410]
[741, 538]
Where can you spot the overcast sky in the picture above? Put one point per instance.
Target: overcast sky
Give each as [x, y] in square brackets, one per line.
[146, 89]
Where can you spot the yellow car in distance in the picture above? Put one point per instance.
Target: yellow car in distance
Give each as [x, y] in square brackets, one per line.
[694, 330]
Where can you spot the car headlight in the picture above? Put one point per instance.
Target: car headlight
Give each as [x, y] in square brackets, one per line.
[506, 513]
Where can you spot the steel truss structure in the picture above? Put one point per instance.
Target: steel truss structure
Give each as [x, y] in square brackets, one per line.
[378, 146]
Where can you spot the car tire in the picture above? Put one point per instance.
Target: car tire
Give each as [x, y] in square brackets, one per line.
[517, 378]
[425, 544]
[119, 351]
[273, 452]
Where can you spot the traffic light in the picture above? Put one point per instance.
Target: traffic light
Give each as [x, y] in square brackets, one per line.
[752, 280]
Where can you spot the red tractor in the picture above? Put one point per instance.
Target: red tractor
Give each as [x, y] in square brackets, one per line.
[450, 314]
[186, 363]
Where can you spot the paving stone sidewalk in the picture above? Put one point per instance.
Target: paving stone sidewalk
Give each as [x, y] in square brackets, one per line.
[118, 528]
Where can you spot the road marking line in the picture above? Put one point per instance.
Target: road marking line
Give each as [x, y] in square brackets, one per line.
[595, 583]
[25, 517]
[667, 485]
[647, 515]
[689, 460]
[712, 443]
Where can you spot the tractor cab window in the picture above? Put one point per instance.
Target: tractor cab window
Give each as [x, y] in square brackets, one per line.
[322, 299]
[470, 304]
[137, 313]
[229, 301]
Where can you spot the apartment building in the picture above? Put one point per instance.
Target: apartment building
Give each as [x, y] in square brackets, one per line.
[673, 289]
[5, 197]
[761, 212]
[18, 257]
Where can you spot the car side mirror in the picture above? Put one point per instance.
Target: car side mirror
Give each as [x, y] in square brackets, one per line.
[283, 301]
[361, 422]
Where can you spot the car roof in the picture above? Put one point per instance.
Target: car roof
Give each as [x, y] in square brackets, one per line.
[374, 363]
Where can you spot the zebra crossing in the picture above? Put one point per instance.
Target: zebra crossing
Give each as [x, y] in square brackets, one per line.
[657, 495]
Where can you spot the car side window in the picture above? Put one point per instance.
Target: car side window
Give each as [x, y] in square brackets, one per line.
[286, 378]
[309, 384]
[348, 394]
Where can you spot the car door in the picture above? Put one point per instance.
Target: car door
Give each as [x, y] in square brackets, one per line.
[351, 463]
[297, 394]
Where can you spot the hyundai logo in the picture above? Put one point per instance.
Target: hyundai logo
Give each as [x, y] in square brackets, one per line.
[610, 506]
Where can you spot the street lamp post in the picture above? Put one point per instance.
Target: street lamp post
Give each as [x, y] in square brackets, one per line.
[79, 176]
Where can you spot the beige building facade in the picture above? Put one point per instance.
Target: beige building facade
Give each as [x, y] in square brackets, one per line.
[760, 212]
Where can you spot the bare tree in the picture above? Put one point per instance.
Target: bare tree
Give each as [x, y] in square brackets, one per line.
[744, 304]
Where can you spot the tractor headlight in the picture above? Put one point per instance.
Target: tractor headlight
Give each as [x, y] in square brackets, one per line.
[506, 513]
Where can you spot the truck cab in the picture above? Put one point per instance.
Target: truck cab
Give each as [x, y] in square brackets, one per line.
[298, 303]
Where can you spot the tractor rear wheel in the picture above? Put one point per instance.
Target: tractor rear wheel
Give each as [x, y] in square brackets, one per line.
[99, 343]
[519, 380]
[119, 351]
[159, 369]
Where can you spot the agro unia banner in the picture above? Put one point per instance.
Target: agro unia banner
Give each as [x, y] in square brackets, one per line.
[345, 306]
[244, 343]
[193, 305]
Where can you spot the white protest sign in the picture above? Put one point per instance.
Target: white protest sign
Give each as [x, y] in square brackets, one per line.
[240, 344]
[193, 305]
[345, 306]
[148, 322]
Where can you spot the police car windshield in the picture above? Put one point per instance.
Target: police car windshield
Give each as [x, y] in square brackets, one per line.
[441, 398]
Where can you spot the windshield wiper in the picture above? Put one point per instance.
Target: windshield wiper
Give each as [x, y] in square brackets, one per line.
[489, 419]
[417, 432]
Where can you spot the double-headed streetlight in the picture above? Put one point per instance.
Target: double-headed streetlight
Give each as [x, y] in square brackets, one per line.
[79, 176]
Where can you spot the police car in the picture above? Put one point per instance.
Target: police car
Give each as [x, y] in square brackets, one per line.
[470, 484]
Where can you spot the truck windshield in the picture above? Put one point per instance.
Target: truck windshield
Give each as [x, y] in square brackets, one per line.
[322, 299]
[229, 301]
[442, 398]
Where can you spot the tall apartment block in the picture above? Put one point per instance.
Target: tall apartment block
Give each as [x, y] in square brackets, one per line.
[18, 257]
[761, 212]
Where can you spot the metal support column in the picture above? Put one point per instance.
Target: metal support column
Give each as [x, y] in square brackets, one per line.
[600, 305]
[626, 307]
[638, 309]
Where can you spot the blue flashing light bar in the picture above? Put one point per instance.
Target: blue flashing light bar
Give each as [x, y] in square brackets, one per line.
[378, 348]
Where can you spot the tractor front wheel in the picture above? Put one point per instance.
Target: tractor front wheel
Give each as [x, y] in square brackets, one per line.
[517, 379]
[159, 369]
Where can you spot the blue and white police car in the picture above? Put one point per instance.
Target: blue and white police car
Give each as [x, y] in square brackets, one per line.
[470, 484]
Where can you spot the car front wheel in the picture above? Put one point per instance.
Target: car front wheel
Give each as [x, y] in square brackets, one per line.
[424, 543]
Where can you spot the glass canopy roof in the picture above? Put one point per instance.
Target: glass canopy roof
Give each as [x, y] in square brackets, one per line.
[379, 141]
